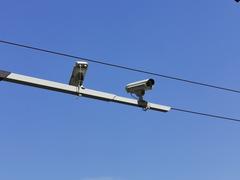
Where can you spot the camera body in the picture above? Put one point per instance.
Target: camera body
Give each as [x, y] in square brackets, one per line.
[78, 73]
[139, 87]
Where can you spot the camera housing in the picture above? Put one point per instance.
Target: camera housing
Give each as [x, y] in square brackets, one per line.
[139, 87]
[78, 73]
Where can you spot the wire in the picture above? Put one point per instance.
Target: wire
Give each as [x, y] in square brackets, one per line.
[140, 71]
[121, 67]
[206, 114]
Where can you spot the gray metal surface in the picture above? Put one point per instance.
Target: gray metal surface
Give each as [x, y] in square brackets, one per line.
[64, 88]
[3, 74]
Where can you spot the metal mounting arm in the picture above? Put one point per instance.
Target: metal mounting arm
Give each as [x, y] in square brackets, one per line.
[65, 88]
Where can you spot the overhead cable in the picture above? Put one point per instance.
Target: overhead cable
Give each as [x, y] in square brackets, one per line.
[206, 114]
[121, 67]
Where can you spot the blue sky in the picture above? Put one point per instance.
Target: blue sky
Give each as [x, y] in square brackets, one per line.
[49, 135]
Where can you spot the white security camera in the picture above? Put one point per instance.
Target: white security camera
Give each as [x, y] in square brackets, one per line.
[78, 74]
[140, 87]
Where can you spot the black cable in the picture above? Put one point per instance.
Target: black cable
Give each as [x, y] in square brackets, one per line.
[205, 114]
[121, 67]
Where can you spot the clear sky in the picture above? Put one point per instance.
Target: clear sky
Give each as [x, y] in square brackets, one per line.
[49, 135]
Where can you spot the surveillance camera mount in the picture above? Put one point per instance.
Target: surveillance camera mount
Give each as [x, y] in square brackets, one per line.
[140, 94]
[140, 100]
[143, 104]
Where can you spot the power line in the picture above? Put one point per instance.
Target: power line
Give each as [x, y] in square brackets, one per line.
[121, 67]
[206, 114]
[64, 88]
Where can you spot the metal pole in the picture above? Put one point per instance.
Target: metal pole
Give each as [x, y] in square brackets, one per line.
[65, 88]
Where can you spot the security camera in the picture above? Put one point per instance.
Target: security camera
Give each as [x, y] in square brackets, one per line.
[140, 87]
[78, 74]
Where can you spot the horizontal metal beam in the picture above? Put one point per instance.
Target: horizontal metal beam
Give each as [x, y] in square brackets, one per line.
[65, 88]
